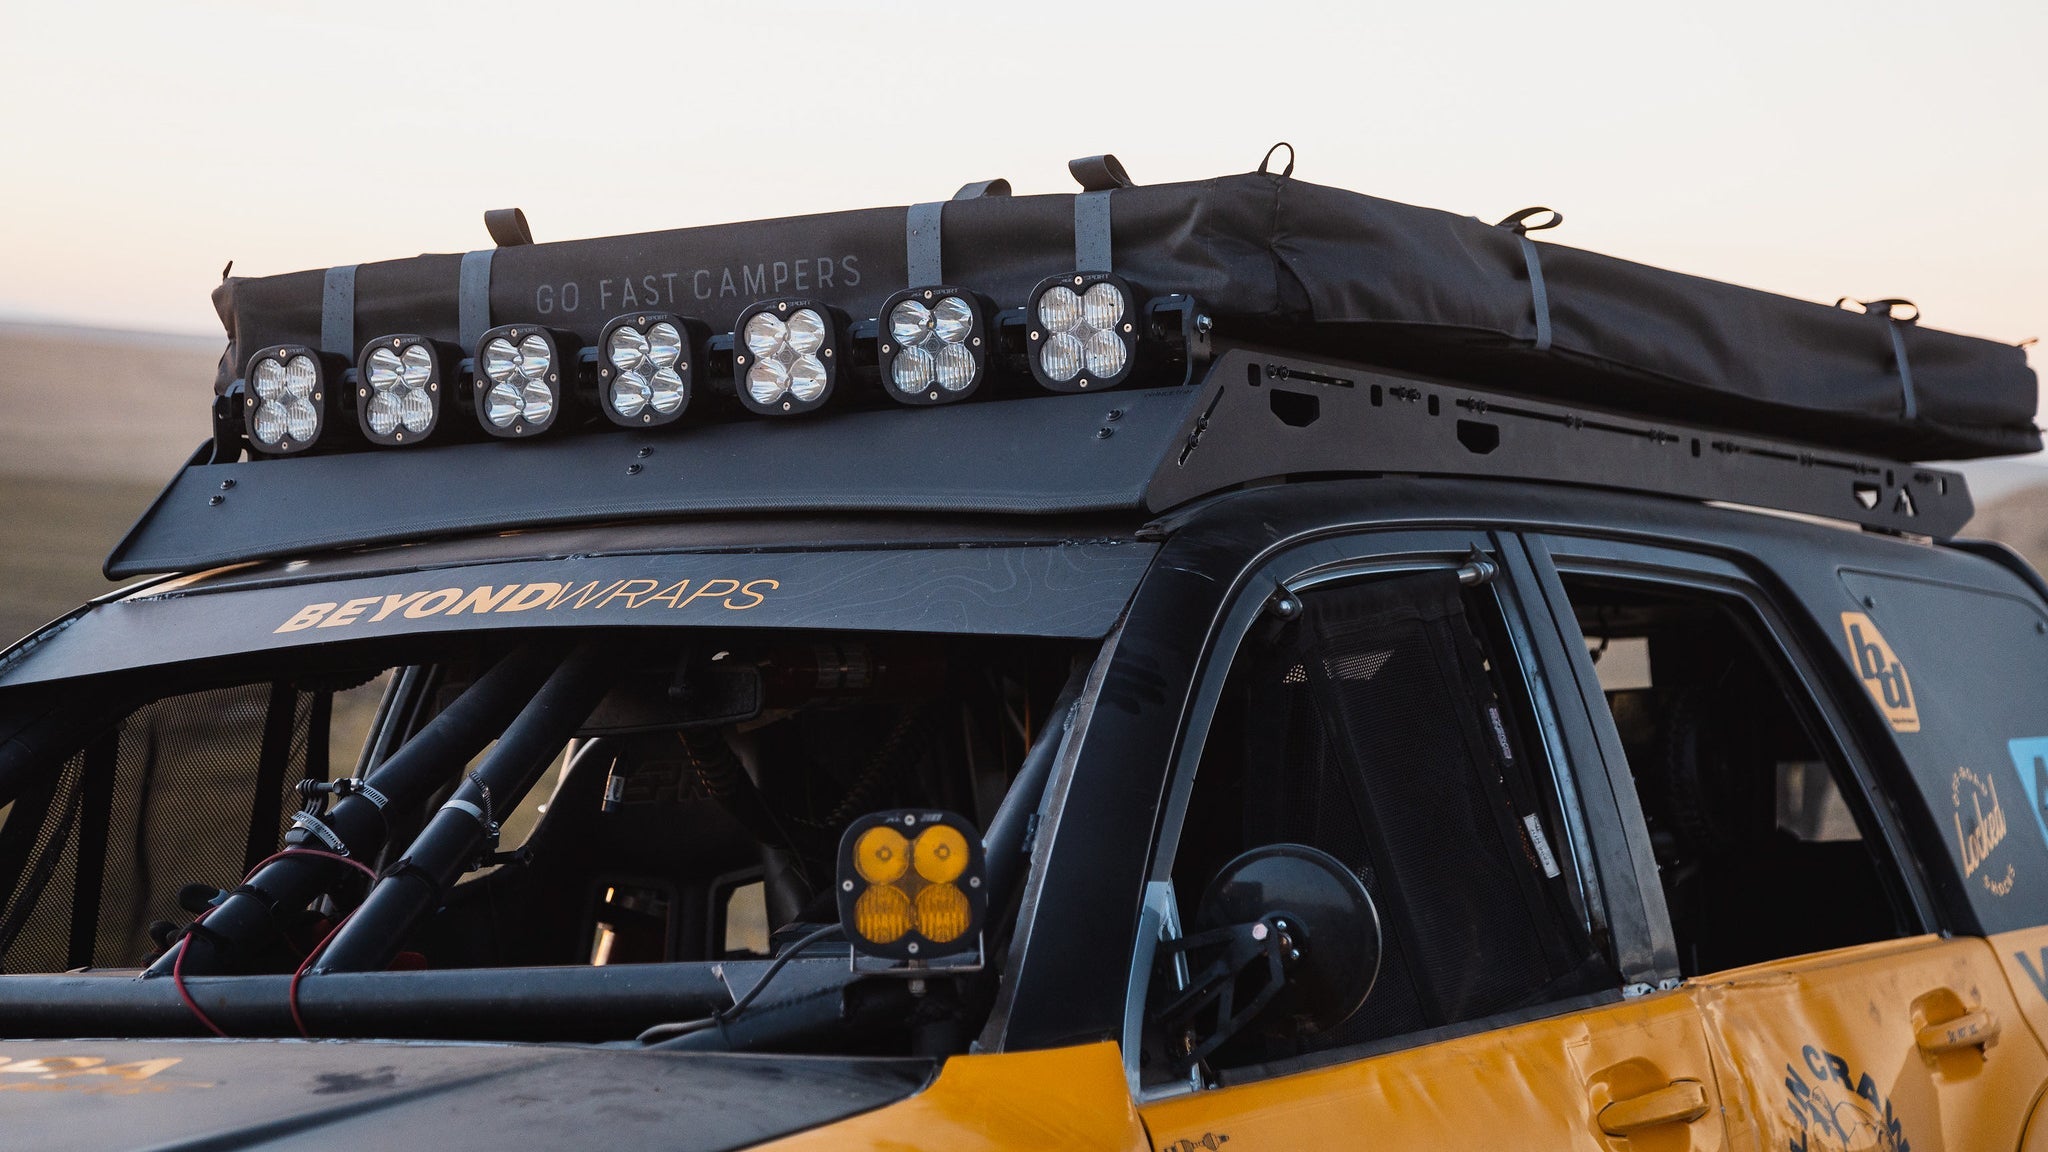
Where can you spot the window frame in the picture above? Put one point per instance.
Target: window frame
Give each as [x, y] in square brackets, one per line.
[1666, 567]
[1606, 877]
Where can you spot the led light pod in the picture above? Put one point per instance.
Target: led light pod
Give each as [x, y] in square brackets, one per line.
[401, 385]
[786, 356]
[1081, 331]
[912, 885]
[289, 400]
[521, 379]
[933, 345]
[645, 368]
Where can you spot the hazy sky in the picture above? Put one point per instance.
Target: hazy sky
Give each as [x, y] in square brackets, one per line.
[1866, 149]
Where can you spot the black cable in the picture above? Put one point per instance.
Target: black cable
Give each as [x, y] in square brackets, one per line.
[669, 1031]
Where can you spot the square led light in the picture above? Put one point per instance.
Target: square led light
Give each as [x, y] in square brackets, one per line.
[521, 378]
[912, 884]
[401, 385]
[290, 399]
[1081, 331]
[786, 356]
[933, 345]
[645, 372]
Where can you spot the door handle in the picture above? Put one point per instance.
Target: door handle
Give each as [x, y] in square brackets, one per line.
[1977, 1028]
[1679, 1102]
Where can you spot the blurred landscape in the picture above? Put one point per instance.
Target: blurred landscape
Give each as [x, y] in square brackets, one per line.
[97, 421]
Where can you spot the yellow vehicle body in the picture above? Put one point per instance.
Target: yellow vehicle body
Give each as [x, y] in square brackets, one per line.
[1918, 1043]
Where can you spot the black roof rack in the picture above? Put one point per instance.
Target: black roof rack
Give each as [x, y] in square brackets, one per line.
[1255, 415]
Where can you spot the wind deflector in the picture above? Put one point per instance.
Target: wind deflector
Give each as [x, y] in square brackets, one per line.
[1043, 456]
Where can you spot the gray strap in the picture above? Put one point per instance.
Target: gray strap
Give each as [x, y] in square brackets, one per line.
[1910, 407]
[921, 241]
[1909, 403]
[475, 813]
[1539, 297]
[338, 312]
[1091, 232]
[473, 297]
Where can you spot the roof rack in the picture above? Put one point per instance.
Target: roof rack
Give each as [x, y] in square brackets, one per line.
[1255, 415]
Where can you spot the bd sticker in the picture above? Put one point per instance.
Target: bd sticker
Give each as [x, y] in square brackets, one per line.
[1980, 829]
[1882, 672]
[2030, 760]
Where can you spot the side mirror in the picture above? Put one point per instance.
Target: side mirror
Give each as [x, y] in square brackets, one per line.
[1286, 944]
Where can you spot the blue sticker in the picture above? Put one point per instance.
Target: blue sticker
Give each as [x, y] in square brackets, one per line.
[2030, 760]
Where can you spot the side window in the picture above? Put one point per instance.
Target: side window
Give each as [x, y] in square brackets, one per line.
[1387, 726]
[1763, 843]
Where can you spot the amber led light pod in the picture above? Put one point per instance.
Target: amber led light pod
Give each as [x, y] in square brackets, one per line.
[912, 884]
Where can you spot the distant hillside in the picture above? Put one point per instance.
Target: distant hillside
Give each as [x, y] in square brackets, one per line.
[2020, 519]
[95, 423]
[97, 405]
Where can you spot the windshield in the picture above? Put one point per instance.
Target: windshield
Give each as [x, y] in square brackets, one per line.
[599, 836]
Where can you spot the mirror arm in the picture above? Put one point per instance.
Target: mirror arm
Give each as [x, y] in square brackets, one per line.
[1275, 938]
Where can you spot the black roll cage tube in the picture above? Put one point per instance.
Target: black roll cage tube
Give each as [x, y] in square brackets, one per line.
[247, 917]
[466, 826]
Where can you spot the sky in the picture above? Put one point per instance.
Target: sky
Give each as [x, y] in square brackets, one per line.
[1816, 149]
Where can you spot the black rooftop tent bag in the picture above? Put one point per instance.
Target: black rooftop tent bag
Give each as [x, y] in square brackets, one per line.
[1271, 259]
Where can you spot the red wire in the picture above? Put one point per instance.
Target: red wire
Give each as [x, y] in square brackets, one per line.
[292, 1000]
[178, 965]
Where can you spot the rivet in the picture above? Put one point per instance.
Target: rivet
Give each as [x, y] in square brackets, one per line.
[977, 341]
[634, 469]
[604, 373]
[398, 437]
[215, 500]
[828, 353]
[912, 948]
[362, 391]
[682, 366]
[846, 885]
[1127, 326]
[1115, 414]
[226, 485]
[932, 396]
[1034, 335]
[1104, 433]
[1084, 381]
[1077, 279]
[1870, 601]
[785, 405]
[927, 293]
[433, 387]
[885, 348]
[641, 320]
[782, 307]
[552, 378]
[644, 452]
[647, 418]
[974, 881]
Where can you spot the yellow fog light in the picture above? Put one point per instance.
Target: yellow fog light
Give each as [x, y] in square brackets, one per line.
[882, 855]
[882, 914]
[940, 853]
[911, 884]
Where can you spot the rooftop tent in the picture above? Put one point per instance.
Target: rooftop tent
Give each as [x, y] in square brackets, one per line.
[1276, 260]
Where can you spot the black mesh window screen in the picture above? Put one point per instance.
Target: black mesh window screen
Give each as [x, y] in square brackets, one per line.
[1376, 727]
[191, 788]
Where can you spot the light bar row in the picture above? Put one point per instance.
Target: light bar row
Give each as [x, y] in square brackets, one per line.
[1081, 332]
